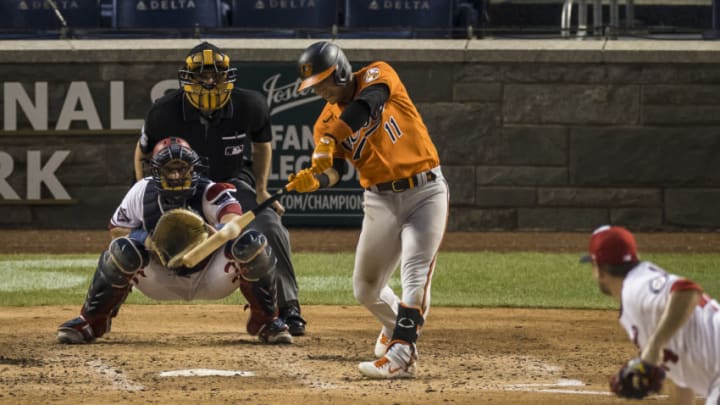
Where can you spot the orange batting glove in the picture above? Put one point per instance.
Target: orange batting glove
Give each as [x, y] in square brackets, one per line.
[322, 157]
[304, 181]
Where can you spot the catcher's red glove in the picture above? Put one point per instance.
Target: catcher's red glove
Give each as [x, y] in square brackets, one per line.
[637, 379]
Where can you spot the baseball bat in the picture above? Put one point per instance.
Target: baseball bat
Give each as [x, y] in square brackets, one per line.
[229, 231]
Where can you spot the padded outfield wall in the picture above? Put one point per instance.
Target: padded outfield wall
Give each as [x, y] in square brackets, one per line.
[533, 134]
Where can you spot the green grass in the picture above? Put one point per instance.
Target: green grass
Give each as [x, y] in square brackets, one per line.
[482, 279]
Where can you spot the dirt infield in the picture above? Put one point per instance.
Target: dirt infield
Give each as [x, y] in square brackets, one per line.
[467, 355]
[320, 240]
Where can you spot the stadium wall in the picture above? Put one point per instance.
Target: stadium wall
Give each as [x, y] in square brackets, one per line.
[533, 134]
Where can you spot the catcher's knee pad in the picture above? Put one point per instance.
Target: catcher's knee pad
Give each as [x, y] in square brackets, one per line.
[408, 323]
[126, 256]
[254, 255]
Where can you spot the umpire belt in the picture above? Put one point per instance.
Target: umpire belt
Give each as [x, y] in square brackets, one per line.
[407, 183]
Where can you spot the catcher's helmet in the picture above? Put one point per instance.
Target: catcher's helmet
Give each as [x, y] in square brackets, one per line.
[319, 61]
[173, 169]
[207, 77]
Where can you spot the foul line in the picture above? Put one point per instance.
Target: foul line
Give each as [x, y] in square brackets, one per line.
[555, 388]
[118, 378]
[206, 372]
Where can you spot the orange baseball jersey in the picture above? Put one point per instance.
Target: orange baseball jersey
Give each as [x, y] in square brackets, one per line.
[394, 144]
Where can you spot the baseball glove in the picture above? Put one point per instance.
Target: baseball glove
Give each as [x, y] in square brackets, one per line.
[176, 232]
[637, 379]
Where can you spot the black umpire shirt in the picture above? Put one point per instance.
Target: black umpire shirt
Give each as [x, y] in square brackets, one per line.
[224, 139]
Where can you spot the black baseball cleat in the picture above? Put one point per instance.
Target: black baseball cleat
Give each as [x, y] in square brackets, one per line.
[75, 331]
[291, 316]
[275, 332]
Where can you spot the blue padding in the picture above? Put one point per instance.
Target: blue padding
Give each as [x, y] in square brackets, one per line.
[284, 14]
[166, 14]
[419, 14]
[40, 16]
[138, 234]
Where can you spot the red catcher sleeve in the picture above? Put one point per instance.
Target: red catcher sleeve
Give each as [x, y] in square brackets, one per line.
[684, 285]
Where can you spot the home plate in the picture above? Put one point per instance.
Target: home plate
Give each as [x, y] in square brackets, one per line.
[206, 372]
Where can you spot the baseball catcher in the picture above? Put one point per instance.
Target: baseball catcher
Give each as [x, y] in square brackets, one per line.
[160, 219]
[637, 379]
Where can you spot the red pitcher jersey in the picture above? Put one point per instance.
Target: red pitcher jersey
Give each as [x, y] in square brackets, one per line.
[394, 143]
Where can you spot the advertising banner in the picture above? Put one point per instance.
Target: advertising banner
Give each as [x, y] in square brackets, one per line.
[107, 106]
[293, 115]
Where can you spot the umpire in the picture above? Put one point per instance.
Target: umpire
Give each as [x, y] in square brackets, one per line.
[230, 128]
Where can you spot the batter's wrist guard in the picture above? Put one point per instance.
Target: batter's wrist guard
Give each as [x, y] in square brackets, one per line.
[323, 179]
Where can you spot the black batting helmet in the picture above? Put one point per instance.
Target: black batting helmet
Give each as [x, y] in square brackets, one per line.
[319, 61]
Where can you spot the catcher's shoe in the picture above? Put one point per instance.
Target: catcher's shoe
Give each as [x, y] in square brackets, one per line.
[291, 316]
[398, 362]
[275, 332]
[381, 344]
[76, 331]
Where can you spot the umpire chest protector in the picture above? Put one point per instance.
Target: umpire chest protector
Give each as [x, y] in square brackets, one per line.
[224, 138]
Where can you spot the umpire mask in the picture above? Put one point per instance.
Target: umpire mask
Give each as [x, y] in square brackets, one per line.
[173, 170]
[207, 78]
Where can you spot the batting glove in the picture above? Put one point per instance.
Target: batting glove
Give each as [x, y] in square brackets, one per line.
[322, 157]
[304, 181]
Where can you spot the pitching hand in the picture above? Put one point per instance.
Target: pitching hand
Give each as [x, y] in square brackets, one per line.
[304, 181]
[322, 157]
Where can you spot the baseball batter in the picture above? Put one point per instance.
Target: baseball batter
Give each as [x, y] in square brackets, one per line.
[669, 318]
[177, 207]
[371, 122]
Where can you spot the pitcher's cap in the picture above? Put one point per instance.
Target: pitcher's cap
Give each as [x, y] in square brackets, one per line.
[611, 245]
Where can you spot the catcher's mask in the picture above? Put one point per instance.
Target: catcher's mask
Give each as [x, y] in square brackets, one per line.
[173, 169]
[207, 77]
[319, 61]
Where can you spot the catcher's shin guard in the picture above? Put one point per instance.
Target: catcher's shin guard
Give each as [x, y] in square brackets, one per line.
[261, 300]
[408, 323]
[263, 321]
[108, 290]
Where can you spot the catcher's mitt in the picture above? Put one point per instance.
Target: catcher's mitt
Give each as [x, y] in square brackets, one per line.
[637, 379]
[177, 232]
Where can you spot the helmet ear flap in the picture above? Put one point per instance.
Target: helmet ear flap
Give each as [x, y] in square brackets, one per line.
[343, 72]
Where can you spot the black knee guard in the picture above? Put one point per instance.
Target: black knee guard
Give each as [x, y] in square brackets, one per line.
[111, 283]
[408, 324]
[254, 256]
[125, 257]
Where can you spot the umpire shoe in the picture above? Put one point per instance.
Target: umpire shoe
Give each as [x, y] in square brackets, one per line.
[275, 332]
[75, 331]
[381, 344]
[292, 318]
[398, 362]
